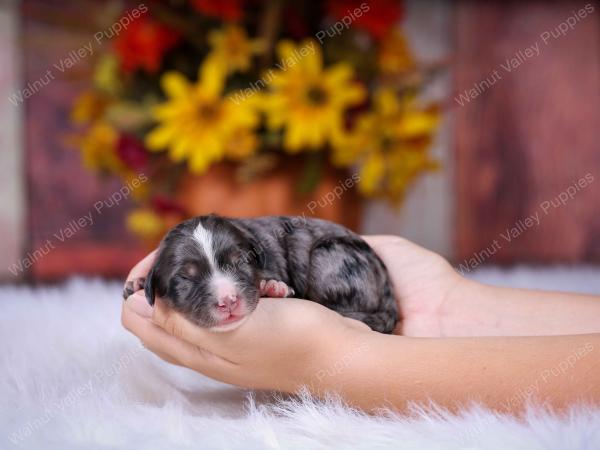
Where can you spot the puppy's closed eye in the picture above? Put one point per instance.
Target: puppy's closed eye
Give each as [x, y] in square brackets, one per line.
[190, 270]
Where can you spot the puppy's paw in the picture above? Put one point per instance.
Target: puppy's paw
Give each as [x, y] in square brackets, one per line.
[132, 286]
[274, 288]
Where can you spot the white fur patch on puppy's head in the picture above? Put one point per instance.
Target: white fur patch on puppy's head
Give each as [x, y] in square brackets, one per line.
[204, 238]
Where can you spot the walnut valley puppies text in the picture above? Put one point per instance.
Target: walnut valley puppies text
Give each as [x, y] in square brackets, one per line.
[335, 29]
[335, 194]
[74, 396]
[75, 225]
[74, 56]
[548, 376]
[343, 24]
[525, 224]
[523, 55]
[283, 65]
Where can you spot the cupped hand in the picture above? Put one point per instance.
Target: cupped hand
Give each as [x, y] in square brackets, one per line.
[283, 345]
[427, 288]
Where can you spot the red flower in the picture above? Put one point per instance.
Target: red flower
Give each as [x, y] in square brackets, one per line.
[223, 9]
[143, 44]
[295, 24]
[376, 16]
[164, 205]
[132, 152]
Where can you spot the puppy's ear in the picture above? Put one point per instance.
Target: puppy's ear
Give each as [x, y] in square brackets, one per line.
[257, 251]
[150, 285]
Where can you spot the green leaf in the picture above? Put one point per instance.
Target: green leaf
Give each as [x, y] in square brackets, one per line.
[311, 174]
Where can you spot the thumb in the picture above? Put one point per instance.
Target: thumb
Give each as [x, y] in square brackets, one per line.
[175, 324]
[138, 304]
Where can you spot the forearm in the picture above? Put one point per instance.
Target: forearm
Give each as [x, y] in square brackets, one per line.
[501, 373]
[481, 310]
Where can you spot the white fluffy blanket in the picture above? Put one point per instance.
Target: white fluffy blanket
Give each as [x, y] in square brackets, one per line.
[71, 377]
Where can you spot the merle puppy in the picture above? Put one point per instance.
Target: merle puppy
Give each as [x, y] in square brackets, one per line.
[214, 269]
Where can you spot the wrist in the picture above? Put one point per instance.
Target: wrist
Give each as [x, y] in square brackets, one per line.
[338, 357]
[466, 309]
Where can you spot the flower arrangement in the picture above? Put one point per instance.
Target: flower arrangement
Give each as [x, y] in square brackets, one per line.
[192, 83]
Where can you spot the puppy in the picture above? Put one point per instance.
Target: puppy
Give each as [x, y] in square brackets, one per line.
[214, 269]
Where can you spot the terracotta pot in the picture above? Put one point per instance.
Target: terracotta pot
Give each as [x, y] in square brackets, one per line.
[274, 193]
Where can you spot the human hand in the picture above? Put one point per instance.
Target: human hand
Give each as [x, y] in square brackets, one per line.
[427, 288]
[284, 344]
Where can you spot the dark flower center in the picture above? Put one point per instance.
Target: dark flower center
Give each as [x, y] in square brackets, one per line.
[387, 143]
[208, 111]
[316, 95]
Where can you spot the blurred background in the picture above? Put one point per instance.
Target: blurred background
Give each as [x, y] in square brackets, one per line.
[469, 127]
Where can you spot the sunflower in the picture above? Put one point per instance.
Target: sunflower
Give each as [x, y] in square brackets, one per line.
[242, 144]
[389, 145]
[232, 48]
[197, 123]
[308, 100]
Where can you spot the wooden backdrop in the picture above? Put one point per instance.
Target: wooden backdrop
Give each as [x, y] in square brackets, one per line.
[531, 134]
[60, 189]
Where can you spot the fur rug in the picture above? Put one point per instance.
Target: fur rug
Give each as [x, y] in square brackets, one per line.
[71, 377]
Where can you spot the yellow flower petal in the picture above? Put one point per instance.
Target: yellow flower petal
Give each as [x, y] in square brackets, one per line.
[310, 52]
[159, 137]
[371, 174]
[212, 78]
[293, 138]
[417, 124]
[175, 85]
[285, 49]
[339, 73]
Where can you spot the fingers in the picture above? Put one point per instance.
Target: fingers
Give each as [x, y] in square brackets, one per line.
[177, 325]
[132, 286]
[381, 242]
[141, 308]
[166, 346]
[357, 324]
[138, 274]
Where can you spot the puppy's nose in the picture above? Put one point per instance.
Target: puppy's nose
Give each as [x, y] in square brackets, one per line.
[228, 303]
